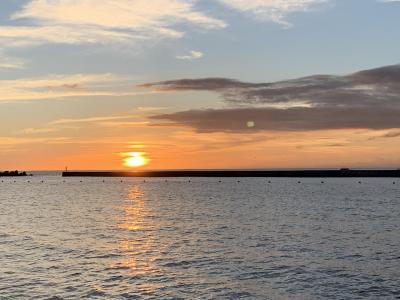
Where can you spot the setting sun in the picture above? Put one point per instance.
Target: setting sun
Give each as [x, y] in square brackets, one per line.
[135, 159]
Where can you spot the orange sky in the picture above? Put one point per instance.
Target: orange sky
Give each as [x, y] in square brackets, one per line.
[185, 149]
[199, 84]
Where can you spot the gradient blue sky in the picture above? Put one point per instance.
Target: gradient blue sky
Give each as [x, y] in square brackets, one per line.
[61, 97]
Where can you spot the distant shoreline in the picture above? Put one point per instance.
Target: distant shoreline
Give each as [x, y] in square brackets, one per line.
[240, 173]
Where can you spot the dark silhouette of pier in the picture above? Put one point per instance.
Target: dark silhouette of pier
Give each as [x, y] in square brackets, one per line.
[240, 173]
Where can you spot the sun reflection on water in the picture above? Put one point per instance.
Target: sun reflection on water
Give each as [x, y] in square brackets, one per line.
[135, 210]
[139, 246]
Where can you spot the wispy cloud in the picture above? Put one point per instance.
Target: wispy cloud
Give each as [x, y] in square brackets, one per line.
[88, 120]
[106, 21]
[33, 131]
[192, 55]
[150, 108]
[113, 121]
[123, 14]
[124, 124]
[272, 10]
[386, 134]
[15, 141]
[7, 62]
[22, 36]
[59, 86]
[367, 99]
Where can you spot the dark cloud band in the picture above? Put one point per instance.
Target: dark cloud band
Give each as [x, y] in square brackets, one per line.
[291, 119]
[368, 99]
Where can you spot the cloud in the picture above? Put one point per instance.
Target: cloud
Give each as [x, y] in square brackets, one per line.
[128, 21]
[102, 22]
[272, 10]
[291, 119]
[15, 141]
[29, 131]
[379, 86]
[150, 108]
[113, 121]
[191, 56]
[22, 36]
[389, 134]
[59, 86]
[392, 134]
[121, 121]
[367, 99]
[205, 84]
[10, 62]
[124, 124]
[116, 14]
[88, 120]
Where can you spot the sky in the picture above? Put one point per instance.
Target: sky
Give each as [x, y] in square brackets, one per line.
[199, 84]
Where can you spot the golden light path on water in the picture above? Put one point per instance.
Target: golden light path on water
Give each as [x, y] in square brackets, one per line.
[136, 220]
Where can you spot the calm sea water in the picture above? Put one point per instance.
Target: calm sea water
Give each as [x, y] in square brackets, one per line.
[204, 239]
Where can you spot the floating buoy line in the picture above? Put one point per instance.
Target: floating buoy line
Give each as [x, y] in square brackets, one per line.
[166, 181]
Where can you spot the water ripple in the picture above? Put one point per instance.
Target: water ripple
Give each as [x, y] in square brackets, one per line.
[203, 240]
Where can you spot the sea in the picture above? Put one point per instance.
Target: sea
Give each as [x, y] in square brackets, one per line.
[199, 238]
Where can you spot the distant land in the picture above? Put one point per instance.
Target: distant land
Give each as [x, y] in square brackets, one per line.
[12, 173]
[239, 173]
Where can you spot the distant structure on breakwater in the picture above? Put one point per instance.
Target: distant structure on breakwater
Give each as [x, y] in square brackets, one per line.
[12, 174]
[241, 173]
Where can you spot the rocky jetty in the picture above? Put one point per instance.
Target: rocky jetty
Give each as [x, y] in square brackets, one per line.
[12, 173]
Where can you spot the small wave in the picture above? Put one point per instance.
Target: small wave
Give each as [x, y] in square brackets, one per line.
[177, 264]
[95, 293]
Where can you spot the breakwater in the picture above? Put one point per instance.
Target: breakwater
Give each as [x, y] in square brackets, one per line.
[12, 174]
[239, 173]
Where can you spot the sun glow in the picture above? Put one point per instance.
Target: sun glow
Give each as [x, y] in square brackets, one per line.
[135, 159]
